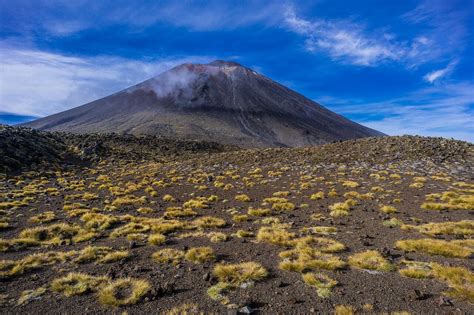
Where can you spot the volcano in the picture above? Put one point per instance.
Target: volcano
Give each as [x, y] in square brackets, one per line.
[220, 101]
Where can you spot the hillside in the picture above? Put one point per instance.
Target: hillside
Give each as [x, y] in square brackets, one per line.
[221, 101]
[375, 225]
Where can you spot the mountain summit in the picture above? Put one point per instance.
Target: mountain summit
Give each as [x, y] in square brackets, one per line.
[220, 101]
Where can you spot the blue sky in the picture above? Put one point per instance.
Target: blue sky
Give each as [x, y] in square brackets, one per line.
[402, 67]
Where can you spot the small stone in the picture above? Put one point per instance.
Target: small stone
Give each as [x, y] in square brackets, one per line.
[132, 244]
[444, 301]
[246, 310]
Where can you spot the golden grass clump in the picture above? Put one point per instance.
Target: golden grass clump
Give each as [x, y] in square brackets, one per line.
[168, 198]
[209, 222]
[76, 283]
[100, 254]
[243, 198]
[323, 230]
[259, 212]
[456, 248]
[344, 310]
[44, 217]
[243, 234]
[237, 274]
[240, 218]
[416, 269]
[350, 184]
[371, 260]
[197, 203]
[98, 221]
[156, 239]
[321, 282]
[275, 235]
[317, 196]
[199, 255]
[130, 228]
[459, 279]
[340, 209]
[168, 255]
[323, 244]
[304, 259]
[123, 292]
[9, 268]
[283, 206]
[29, 295]
[57, 234]
[462, 228]
[178, 212]
[129, 200]
[388, 209]
[217, 237]
[145, 210]
[184, 309]
[167, 226]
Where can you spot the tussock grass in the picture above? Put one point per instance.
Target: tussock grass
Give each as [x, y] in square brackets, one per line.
[317, 196]
[340, 209]
[305, 259]
[350, 184]
[240, 218]
[321, 282]
[44, 217]
[463, 228]
[283, 206]
[184, 309]
[168, 255]
[209, 222]
[98, 221]
[259, 212]
[29, 295]
[344, 310]
[457, 248]
[325, 245]
[459, 279]
[76, 283]
[275, 235]
[237, 274]
[100, 254]
[371, 260]
[123, 292]
[388, 209]
[200, 255]
[156, 239]
[130, 228]
[217, 237]
[243, 198]
[9, 268]
[178, 212]
[57, 234]
[416, 269]
[168, 198]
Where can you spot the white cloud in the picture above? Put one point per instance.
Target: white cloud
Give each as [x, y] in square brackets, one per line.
[438, 74]
[349, 42]
[441, 110]
[38, 83]
[343, 40]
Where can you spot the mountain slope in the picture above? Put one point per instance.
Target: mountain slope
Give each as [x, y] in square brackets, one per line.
[220, 101]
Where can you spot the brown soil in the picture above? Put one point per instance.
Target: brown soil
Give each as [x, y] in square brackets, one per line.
[440, 162]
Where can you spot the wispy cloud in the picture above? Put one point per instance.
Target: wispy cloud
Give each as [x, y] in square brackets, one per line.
[351, 42]
[37, 83]
[443, 110]
[438, 74]
[342, 40]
